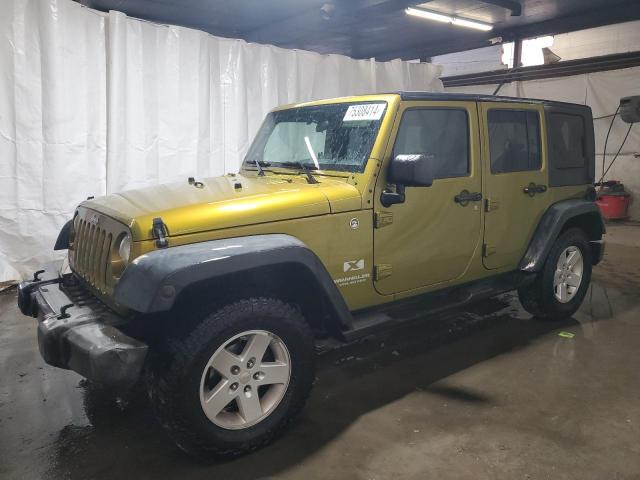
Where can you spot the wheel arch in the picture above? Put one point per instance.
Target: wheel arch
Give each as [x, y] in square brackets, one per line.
[590, 223]
[290, 282]
[559, 217]
[222, 271]
[62, 241]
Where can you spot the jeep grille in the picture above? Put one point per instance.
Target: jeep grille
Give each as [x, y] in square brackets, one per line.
[91, 248]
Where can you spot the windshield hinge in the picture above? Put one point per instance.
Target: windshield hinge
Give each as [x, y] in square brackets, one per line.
[382, 219]
[159, 230]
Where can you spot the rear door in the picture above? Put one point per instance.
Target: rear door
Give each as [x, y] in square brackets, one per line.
[515, 179]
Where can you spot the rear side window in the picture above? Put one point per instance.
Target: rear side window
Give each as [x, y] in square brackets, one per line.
[514, 140]
[566, 140]
[442, 133]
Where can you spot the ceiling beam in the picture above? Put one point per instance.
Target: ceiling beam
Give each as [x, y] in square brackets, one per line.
[515, 7]
[590, 19]
[330, 16]
[553, 70]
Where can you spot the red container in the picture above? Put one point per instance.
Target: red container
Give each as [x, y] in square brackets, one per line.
[614, 206]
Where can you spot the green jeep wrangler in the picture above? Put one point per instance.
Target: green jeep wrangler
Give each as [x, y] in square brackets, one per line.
[215, 290]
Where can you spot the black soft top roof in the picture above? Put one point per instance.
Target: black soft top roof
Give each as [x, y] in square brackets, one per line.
[472, 97]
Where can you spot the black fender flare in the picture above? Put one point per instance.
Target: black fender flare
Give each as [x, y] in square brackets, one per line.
[552, 223]
[153, 281]
[62, 242]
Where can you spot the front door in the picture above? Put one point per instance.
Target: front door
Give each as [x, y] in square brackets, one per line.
[515, 180]
[431, 237]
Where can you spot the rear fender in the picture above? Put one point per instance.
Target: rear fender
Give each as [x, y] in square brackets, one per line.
[559, 216]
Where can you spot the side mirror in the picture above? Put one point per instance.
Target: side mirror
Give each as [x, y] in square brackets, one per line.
[412, 170]
[407, 171]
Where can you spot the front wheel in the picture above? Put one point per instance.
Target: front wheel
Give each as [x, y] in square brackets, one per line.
[236, 381]
[562, 283]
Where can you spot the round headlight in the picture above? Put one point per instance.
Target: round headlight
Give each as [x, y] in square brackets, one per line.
[124, 249]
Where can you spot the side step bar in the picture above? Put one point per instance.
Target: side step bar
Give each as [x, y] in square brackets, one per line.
[374, 319]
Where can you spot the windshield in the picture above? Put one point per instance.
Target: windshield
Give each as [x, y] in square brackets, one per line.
[326, 137]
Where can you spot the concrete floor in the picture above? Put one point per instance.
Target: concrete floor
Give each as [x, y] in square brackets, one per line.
[487, 392]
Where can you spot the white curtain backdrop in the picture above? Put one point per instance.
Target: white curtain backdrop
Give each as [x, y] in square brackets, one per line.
[602, 92]
[94, 103]
[53, 145]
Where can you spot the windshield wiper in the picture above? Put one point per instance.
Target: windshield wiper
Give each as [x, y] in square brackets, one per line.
[260, 170]
[304, 168]
[259, 164]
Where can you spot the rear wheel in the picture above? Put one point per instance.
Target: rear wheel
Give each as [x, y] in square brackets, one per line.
[562, 283]
[236, 381]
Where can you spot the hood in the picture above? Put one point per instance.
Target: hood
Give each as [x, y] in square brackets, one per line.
[225, 202]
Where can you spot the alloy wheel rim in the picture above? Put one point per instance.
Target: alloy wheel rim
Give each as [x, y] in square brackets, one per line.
[245, 379]
[568, 275]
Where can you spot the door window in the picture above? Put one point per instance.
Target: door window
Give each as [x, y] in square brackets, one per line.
[440, 133]
[514, 140]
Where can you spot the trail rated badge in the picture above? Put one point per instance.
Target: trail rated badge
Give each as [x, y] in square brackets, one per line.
[353, 270]
[354, 265]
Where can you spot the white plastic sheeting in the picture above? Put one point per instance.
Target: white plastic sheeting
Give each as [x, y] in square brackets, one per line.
[92, 104]
[602, 92]
[182, 101]
[52, 124]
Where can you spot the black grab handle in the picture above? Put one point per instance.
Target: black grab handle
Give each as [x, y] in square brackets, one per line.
[532, 189]
[464, 197]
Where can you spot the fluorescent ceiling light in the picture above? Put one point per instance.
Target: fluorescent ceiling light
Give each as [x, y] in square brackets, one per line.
[438, 17]
[441, 17]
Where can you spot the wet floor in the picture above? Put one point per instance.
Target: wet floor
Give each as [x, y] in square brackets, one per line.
[485, 392]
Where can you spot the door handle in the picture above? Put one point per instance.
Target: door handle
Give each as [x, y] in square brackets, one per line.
[533, 188]
[465, 196]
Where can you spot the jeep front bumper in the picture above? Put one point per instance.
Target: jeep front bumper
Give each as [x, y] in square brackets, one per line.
[79, 333]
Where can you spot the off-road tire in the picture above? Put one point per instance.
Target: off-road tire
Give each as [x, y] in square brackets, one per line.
[538, 298]
[173, 379]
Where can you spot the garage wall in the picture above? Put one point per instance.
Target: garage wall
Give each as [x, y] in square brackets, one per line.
[595, 42]
[93, 103]
[602, 92]
[592, 42]
[471, 61]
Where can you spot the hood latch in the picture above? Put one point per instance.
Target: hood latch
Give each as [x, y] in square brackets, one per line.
[160, 233]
